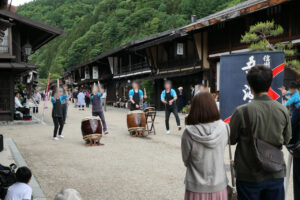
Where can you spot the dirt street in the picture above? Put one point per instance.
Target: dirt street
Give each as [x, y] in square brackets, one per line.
[124, 168]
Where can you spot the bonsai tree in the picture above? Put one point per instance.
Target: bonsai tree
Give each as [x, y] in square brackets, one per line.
[259, 36]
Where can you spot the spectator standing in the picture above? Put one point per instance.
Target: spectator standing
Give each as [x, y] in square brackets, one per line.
[24, 96]
[200, 88]
[268, 121]
[81, 100]
[103, 98]
[192, 88]
[87, 98]
[294, 103]
[181, 99]
[20, 190]
[202, 145]
[37, 98]
[75, 94]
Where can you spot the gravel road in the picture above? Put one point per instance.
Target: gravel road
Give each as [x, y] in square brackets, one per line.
[124, 168]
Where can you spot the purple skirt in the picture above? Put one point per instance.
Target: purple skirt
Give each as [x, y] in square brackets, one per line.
[222, 195]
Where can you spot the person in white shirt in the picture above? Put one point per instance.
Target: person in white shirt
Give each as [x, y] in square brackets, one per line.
[103, 98]
[81, 100]
[19, 107]
[37, 98]
[20, 190]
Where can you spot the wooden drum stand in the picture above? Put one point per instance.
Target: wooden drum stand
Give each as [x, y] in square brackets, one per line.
[150, 118]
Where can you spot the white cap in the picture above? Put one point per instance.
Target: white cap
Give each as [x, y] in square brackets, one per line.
[180, 88]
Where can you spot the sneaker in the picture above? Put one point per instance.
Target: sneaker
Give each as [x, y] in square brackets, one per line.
[61, 136]
[168, 132]
[106, 132]
[179, 128]
[55, 138]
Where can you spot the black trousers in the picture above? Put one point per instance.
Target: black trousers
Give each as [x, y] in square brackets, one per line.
[296, 177]
[58, 125]
[169, 110]
[87, 101]
[23, 110]
[35, 109]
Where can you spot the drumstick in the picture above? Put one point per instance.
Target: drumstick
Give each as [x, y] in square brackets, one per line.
[99, 85]
[95, 86]
[57, 83]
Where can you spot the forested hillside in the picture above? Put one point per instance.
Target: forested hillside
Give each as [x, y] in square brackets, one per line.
[96, 26]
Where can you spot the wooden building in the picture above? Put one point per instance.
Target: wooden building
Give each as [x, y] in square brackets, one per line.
[189, 55]
[19, 37]
[224, 29]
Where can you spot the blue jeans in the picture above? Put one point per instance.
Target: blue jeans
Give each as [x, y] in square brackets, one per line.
[272, 189]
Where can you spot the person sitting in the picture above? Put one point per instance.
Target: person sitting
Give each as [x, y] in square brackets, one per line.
[68, 194]
[20, 190]
[19, 107]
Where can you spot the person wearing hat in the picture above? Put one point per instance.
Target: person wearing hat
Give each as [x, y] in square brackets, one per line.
[181, 99]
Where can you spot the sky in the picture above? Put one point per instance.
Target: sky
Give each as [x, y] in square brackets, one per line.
[18, 2]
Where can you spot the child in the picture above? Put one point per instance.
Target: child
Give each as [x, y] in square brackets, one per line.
[97, 107]
[20, 190]
[57, 113]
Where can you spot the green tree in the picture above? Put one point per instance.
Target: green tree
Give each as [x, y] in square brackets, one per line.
[97, 26]
[259, 36]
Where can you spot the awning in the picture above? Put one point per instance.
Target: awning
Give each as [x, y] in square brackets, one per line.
[17, 66]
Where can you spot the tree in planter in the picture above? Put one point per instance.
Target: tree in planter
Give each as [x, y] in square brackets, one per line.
[148, 85]
[258, 37]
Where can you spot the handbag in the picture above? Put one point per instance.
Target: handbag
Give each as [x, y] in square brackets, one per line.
[294, 149]
[231, 190]
[269, 157]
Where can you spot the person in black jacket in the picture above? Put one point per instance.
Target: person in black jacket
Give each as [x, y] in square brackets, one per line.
[57, 113]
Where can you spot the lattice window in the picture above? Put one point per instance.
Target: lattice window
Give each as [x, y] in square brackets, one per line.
[4, 42]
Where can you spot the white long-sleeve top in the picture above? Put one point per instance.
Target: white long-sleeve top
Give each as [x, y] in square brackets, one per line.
[18, 103]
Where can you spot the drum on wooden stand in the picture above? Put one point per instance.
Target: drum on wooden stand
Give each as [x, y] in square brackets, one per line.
[136, 123]
[91, 130]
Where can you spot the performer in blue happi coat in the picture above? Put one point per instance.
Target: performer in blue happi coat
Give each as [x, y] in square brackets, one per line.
[135, 96]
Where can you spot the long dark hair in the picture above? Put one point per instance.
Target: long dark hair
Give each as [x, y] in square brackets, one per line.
[203, 110]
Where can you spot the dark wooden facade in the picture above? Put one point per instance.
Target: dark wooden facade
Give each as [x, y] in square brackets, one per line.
[16, 31]
[190, 55]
